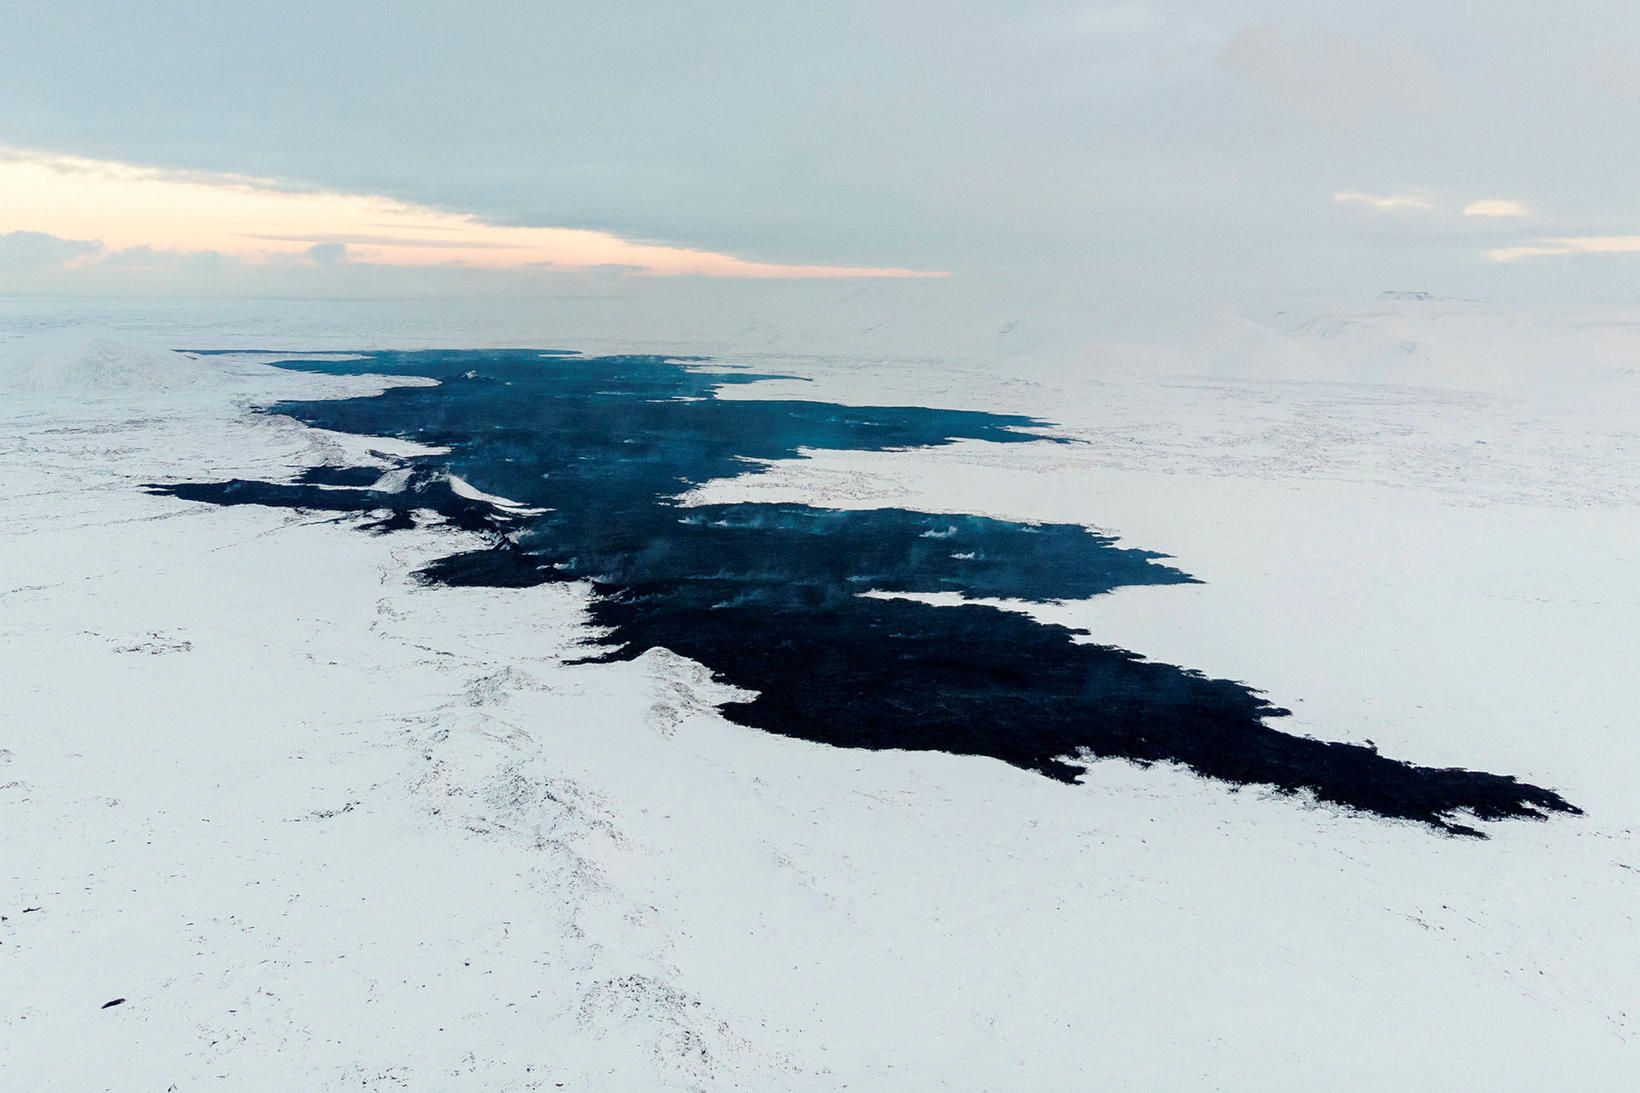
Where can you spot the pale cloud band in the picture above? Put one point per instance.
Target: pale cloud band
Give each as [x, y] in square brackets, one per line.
[126, 207]
[1496, 207]
[1492, 207]
[1385, 203]
[1569, 244]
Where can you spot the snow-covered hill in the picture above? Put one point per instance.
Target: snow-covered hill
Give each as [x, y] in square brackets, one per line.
[79, 363]
[1414, 339]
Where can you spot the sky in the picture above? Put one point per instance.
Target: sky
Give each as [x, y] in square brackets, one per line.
[1215, 152]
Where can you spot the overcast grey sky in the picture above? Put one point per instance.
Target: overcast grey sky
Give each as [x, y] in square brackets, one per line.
[1175, 148]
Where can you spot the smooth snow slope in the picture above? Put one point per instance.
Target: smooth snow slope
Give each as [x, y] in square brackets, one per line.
[323, 828]
[93, 363]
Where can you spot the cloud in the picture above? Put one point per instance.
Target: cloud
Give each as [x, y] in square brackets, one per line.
[1496, 207]
[1385, 203]
[139, 210]
[1333, 79]
[328, 254]
[421, 243]
[1554, 246]
[1134, 152]
[23, 251]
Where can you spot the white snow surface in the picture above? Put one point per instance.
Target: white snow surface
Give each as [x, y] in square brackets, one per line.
[91, 363]
[323, 828]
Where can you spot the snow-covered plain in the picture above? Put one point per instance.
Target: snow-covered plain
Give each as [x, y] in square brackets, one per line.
[321, 827]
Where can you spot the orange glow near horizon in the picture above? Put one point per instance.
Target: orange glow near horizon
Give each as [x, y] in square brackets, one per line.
[123, 206]
[1555, 246]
